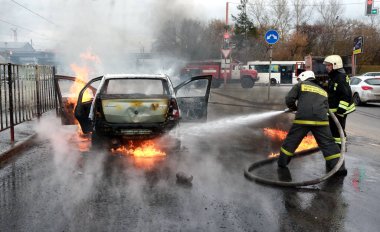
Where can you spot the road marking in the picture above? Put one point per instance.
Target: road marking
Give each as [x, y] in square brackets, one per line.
[374, 144]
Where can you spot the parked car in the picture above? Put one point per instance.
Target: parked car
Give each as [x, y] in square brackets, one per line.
[120, 107]
[365, 89]
[372, 74]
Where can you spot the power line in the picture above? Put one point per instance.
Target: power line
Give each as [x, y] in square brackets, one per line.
[27, 29]
[348, 3]
[49, 21]
[16, 25]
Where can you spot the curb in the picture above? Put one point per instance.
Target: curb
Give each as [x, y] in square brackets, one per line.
[17, 147]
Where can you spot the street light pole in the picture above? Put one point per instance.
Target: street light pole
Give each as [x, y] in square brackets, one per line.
[245, 29]
[227, 13]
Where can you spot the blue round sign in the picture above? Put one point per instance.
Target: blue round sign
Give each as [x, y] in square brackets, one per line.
[272, 37]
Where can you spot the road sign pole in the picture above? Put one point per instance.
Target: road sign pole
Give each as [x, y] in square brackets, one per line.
[271, 37]
[225, 73]
[270, 69]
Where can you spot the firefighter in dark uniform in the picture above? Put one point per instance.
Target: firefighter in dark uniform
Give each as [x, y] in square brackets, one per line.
[310, 101]
[339, 94]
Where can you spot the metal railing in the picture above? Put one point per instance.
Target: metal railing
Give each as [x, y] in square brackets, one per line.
[26, 92]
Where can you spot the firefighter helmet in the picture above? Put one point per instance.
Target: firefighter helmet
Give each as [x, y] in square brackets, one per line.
[306, 75]
[335, 60]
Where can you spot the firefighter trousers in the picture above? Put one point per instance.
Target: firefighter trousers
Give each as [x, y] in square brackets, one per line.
[334, 129]
[322, 135]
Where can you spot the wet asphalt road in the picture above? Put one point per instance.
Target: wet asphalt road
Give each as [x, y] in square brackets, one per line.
[54, 186]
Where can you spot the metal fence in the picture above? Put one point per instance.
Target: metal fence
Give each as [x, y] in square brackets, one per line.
[26, 92]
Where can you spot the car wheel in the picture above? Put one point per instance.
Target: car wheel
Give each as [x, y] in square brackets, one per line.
[273, 81]
[357, 100]
[216, 84]
[98, 142]
[246, 83]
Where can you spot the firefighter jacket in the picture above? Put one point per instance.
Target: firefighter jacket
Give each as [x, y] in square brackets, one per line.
[310, 102]
[339, 92]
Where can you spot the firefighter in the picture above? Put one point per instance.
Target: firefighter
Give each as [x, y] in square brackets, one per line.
[339, 94]
[311, 103]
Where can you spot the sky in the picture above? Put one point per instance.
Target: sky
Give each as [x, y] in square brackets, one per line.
[47, 23]
[109, 28]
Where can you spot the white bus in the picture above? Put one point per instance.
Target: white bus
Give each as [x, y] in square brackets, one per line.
[282, 72]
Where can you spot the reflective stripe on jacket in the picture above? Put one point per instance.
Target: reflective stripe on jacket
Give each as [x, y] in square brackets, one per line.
[310, 102]
[339, 93]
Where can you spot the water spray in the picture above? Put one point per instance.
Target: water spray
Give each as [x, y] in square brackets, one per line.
[228, 123]
[221, 124]
[248, 172]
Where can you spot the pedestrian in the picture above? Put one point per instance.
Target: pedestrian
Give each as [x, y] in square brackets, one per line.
[339, 95]
[310, 102]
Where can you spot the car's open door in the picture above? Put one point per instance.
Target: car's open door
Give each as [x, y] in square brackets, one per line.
[83, 106]
[66, 88]
[192, 98]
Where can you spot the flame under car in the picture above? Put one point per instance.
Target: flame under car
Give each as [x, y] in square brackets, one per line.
[136, 107]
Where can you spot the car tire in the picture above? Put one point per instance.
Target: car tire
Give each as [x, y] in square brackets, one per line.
[216, 84]
[98, 142]
[247, 82]
[357, 100]
[273, 82]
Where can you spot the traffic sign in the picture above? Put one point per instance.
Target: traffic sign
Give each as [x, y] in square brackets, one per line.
[226, 53]
[271, 37]
[358, 45]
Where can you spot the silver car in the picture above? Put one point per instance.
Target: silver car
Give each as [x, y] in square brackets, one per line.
[365, 89]
[118, 107]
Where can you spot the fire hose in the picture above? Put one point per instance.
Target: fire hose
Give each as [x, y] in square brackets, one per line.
[250, 176]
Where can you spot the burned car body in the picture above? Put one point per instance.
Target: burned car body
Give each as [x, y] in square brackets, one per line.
[133, 107]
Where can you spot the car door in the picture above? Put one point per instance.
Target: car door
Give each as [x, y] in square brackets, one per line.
[83, 106]
[65, 88]
[192, 98]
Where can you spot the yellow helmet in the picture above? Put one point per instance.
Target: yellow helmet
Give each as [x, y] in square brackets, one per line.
[335, 60]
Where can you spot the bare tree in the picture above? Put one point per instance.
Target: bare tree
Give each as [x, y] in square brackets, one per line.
[330, 16]
[329, 12]
[373, 21]
[212, 39]
[281, 16]
[302, 12]
[258, 11]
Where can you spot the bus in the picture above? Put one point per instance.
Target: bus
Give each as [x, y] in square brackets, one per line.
[282, 72]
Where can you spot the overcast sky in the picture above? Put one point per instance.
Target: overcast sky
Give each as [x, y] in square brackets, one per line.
[62, 21]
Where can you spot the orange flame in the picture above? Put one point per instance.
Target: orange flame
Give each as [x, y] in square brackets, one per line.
[147, 149]
[144, 156]
[84, 142]
[82, 77]
[280, 135]
[81, 74]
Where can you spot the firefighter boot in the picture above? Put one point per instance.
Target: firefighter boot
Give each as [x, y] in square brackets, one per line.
[283, 160]
[331, 164]
[284, 174]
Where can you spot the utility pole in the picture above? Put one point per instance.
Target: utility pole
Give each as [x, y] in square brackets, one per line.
[14, 34]
[246, 18]
[245, 29]
[227, 13]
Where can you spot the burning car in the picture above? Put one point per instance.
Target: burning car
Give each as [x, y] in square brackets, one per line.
[122, 107]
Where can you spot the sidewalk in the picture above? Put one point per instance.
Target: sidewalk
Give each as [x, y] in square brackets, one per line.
[24, 134]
